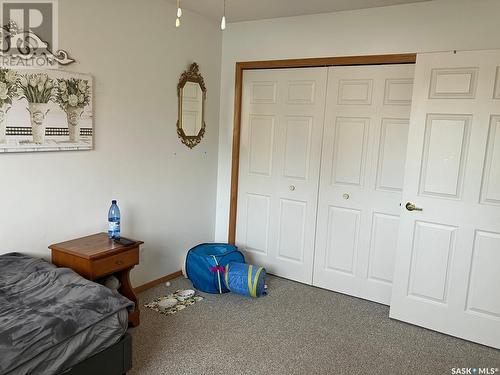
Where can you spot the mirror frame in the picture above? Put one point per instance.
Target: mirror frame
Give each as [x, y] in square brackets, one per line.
[191, 75]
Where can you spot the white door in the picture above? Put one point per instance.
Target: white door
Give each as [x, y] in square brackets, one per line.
[447, 275]
[281, 132]
[364, 150]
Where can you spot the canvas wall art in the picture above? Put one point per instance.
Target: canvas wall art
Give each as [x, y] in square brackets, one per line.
[45, 110]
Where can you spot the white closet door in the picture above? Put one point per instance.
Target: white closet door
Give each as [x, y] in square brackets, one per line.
[281, 132]
[362, 171]
[447, 272]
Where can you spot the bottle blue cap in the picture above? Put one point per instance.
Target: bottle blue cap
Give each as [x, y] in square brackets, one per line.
[113, 201]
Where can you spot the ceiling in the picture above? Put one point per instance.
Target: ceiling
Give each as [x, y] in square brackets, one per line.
[249, 10]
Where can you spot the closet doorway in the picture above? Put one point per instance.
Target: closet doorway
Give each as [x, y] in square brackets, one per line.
[446, 252]
[298, 122]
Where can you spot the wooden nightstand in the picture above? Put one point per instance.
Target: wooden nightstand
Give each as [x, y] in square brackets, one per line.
[96, 256]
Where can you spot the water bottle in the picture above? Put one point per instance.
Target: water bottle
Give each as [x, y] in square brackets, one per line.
[114, 221]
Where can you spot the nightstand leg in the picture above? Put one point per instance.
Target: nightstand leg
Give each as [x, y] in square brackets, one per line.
[127, 291]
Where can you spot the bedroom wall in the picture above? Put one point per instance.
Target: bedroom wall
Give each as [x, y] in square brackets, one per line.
[438, 25]
[165, 191]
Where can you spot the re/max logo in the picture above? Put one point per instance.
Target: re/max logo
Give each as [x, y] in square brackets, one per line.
[474, 370]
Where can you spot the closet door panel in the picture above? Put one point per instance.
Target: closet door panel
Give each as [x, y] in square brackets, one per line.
[298, 132]
[349, 150]
[342, 239]
[362, 170]
[281, 133]
[392, 154]
[448, 254]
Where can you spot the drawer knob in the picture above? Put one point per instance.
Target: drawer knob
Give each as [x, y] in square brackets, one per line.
[119, 262]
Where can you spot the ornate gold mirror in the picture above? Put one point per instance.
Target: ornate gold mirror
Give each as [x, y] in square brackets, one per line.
[192, 93]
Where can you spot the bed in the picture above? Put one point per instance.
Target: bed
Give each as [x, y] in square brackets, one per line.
[53, 321]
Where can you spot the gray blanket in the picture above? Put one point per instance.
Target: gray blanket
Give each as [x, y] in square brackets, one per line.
[42, 305]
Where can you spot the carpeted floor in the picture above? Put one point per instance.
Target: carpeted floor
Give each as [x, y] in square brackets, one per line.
[296, 329]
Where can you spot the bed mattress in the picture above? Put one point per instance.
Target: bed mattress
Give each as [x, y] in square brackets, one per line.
[73, 350]
[51, 318]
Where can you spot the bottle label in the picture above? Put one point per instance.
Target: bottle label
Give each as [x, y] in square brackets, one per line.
[114, 228]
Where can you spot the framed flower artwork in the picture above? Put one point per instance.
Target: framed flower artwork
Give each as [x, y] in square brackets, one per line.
[47, 110]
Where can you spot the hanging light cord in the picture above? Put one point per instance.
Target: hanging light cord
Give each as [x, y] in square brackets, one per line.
[179, 14]
[223, 21]
[179, 9]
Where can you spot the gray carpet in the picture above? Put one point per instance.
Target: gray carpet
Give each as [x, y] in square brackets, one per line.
[296, 329]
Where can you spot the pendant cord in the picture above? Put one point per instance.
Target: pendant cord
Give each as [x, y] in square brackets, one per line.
[223, 20]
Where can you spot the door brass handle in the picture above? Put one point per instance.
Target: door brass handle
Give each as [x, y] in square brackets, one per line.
[411, 207]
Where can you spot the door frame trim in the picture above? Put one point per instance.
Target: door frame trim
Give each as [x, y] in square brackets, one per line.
[407, 58]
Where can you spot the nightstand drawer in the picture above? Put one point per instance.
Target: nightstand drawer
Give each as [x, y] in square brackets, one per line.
[114, 263]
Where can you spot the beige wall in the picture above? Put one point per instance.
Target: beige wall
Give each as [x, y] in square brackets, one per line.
[166, 192]
[422, 27]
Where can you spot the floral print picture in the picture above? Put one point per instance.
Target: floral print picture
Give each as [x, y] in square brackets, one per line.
[45, 111]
